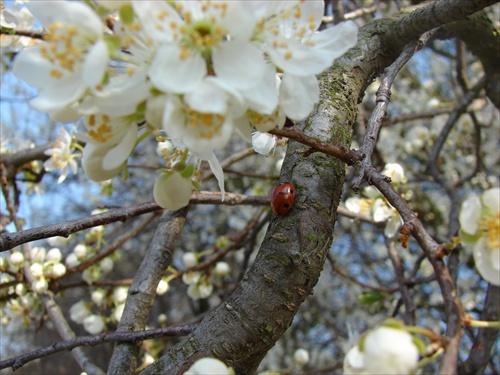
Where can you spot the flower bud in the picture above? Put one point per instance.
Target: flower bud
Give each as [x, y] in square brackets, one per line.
[301, 357]
[40, 286]
[79, 311]
[54, 255]
[189, 260]
[36, 270]
[93, 324]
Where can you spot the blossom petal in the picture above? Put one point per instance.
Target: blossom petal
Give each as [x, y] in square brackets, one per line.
[470, 214]
[95, 64]
[217, 171]
[208, 98]
[170, 73]
[263, 96]
[149, 13]
[239, 64]
[337, 40]
[33, 68]
[298, 107]
[116, 156]
[263, 143]
[67, 90]
[68, 12]
[92, 163]
[487, 261]
[491, 200]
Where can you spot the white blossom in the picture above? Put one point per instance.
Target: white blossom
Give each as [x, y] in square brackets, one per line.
[172, 191]
[189, 259]
[58, 241]
[73, 60]
[58, 270]
[98, 296]
[301, 357]
[205, 366]
[117, 314]
[120, 294]
[80, 250]
[395, 171]
[480, 232]
[79, 311]
[162, 287]
[94, 324]
[72, 260]
[263, 143]
[221, 269]
[106, 264]
[37, 254]
[54, 255]
[62, 157]
[36, 270]
[385, 350]
[40, 285]
[16, 258]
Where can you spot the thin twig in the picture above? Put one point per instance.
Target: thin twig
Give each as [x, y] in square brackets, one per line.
[105, 337]
[11, 240]
[347, 156]
[382, 104]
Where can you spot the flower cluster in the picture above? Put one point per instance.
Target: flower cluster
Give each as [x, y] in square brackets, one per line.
[23, 300]
[388, 349]
[193, 71]
[375, 206]
[201, 283]
[15, 17]
[101, 299]
[45, 265]
[480, 232]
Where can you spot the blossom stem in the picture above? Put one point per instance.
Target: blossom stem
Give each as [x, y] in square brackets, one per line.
[483, 324]
[424, 331]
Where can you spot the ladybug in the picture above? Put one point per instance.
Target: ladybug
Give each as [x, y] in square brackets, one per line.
[282, 198]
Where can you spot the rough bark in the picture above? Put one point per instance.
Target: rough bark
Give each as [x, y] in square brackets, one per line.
[142, 292]
[247, 325]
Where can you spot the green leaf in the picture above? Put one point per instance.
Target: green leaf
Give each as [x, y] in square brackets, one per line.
[368, 298]
[126, 14]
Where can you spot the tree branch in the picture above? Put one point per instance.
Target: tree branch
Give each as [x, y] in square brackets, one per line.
[105, 337]
[142, 292]
[11, 240]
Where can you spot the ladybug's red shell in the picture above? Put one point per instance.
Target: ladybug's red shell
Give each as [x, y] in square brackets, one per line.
[282, 198]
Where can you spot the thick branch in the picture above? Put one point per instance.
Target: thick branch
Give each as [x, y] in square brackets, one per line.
[143, 289]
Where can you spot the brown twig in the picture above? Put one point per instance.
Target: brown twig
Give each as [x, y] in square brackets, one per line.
[105, 337]
[347, 156]
[382, 104]
[11, 240]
